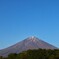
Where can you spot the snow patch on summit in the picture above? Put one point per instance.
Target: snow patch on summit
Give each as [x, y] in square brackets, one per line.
[33, 38]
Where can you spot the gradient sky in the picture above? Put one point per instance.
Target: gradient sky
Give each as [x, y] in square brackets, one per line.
[20, 19]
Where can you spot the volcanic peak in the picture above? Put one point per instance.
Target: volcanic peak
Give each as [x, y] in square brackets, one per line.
[32, 38]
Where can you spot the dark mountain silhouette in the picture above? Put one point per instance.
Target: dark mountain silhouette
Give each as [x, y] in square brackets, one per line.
[28, 43]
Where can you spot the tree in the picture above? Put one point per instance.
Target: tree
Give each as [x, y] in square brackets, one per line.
[12, 56]
[1, 57]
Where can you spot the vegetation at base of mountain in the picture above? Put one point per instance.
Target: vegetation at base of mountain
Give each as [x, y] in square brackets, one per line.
[35, 54]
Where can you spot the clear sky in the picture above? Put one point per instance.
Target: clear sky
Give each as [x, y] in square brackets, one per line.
[20, 19]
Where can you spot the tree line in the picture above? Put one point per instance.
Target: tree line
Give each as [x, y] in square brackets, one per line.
[34, 54]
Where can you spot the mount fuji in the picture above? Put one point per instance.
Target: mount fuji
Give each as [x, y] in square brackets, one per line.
[28, 43]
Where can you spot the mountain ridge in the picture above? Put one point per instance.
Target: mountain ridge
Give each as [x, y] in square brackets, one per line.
[28, 43]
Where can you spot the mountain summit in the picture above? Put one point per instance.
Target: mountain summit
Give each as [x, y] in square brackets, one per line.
[29, 43]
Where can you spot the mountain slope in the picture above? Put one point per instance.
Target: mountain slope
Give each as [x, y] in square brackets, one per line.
[28, 43]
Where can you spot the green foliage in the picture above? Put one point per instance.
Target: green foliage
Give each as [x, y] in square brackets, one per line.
[1, 57]
[35, 54]
[12, 56]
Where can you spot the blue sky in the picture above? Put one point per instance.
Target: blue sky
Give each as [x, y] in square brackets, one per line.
[20, 19]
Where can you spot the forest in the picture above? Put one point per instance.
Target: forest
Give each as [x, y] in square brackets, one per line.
[35, 54]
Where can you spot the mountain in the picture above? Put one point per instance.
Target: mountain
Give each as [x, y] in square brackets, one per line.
[28, 43]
